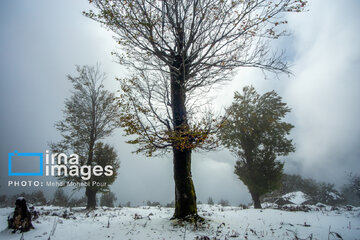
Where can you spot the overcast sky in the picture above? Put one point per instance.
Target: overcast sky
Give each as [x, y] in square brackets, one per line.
[42, 41]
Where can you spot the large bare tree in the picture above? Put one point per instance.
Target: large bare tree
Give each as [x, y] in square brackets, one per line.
[178, 50]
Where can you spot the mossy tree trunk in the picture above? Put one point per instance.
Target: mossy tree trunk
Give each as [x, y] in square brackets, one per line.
[185, 197]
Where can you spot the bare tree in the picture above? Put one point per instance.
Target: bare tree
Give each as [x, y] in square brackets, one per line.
[91, 114]
[178, 50]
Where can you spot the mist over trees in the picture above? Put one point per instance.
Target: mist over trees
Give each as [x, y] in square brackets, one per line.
[108, 199]
[60, 198]
[316, 191]
[257, 135]
[351, 190]
[90, 115]
[77, 202]
[210, 201]
[36, 198]
[178, 51]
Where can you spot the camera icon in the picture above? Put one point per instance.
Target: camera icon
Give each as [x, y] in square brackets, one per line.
[17, 154]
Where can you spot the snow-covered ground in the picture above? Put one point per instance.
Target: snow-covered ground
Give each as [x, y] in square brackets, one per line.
[221, 223]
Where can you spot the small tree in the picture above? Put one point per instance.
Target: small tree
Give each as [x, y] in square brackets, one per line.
[37, 198]
[60, 198]
[105, 155]
[107, 199]
[152, 204]
[328, 194]
[355, 184]
[3, 200]
[256, 135]
[77, 202]
[170, 204]
[90, 115]
[224, 202]
[210, 201]
[351, 190]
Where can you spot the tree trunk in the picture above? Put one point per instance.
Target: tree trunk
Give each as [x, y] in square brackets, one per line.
[91, 198]
[185, 197]
[90, 192]
[256, 200]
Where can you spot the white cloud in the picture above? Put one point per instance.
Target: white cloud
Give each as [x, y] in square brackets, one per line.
[324, 92]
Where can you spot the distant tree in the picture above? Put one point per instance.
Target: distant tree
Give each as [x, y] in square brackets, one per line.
[60, 198]
[243, 206]
[322, 192]
[224, 202]
[77, 202]
[179, 50]
[316, 191]
[171, 204]
[256, 135]
[328, 194]
[91, 114]
[128, 204]
[3, 201]
[153, 204]
[108, 199]
[355, 184]
[210, 201]
[293, 183]
[351, 190]
[12, 198]
[72, 202]
[37, 198]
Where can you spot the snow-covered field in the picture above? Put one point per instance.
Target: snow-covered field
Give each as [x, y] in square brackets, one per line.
[221, 223]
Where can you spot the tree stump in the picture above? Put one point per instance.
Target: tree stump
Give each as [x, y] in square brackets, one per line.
[21, 219]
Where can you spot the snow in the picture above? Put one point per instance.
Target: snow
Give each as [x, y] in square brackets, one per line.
[154, 223]
[295, 197]
[334, 195]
